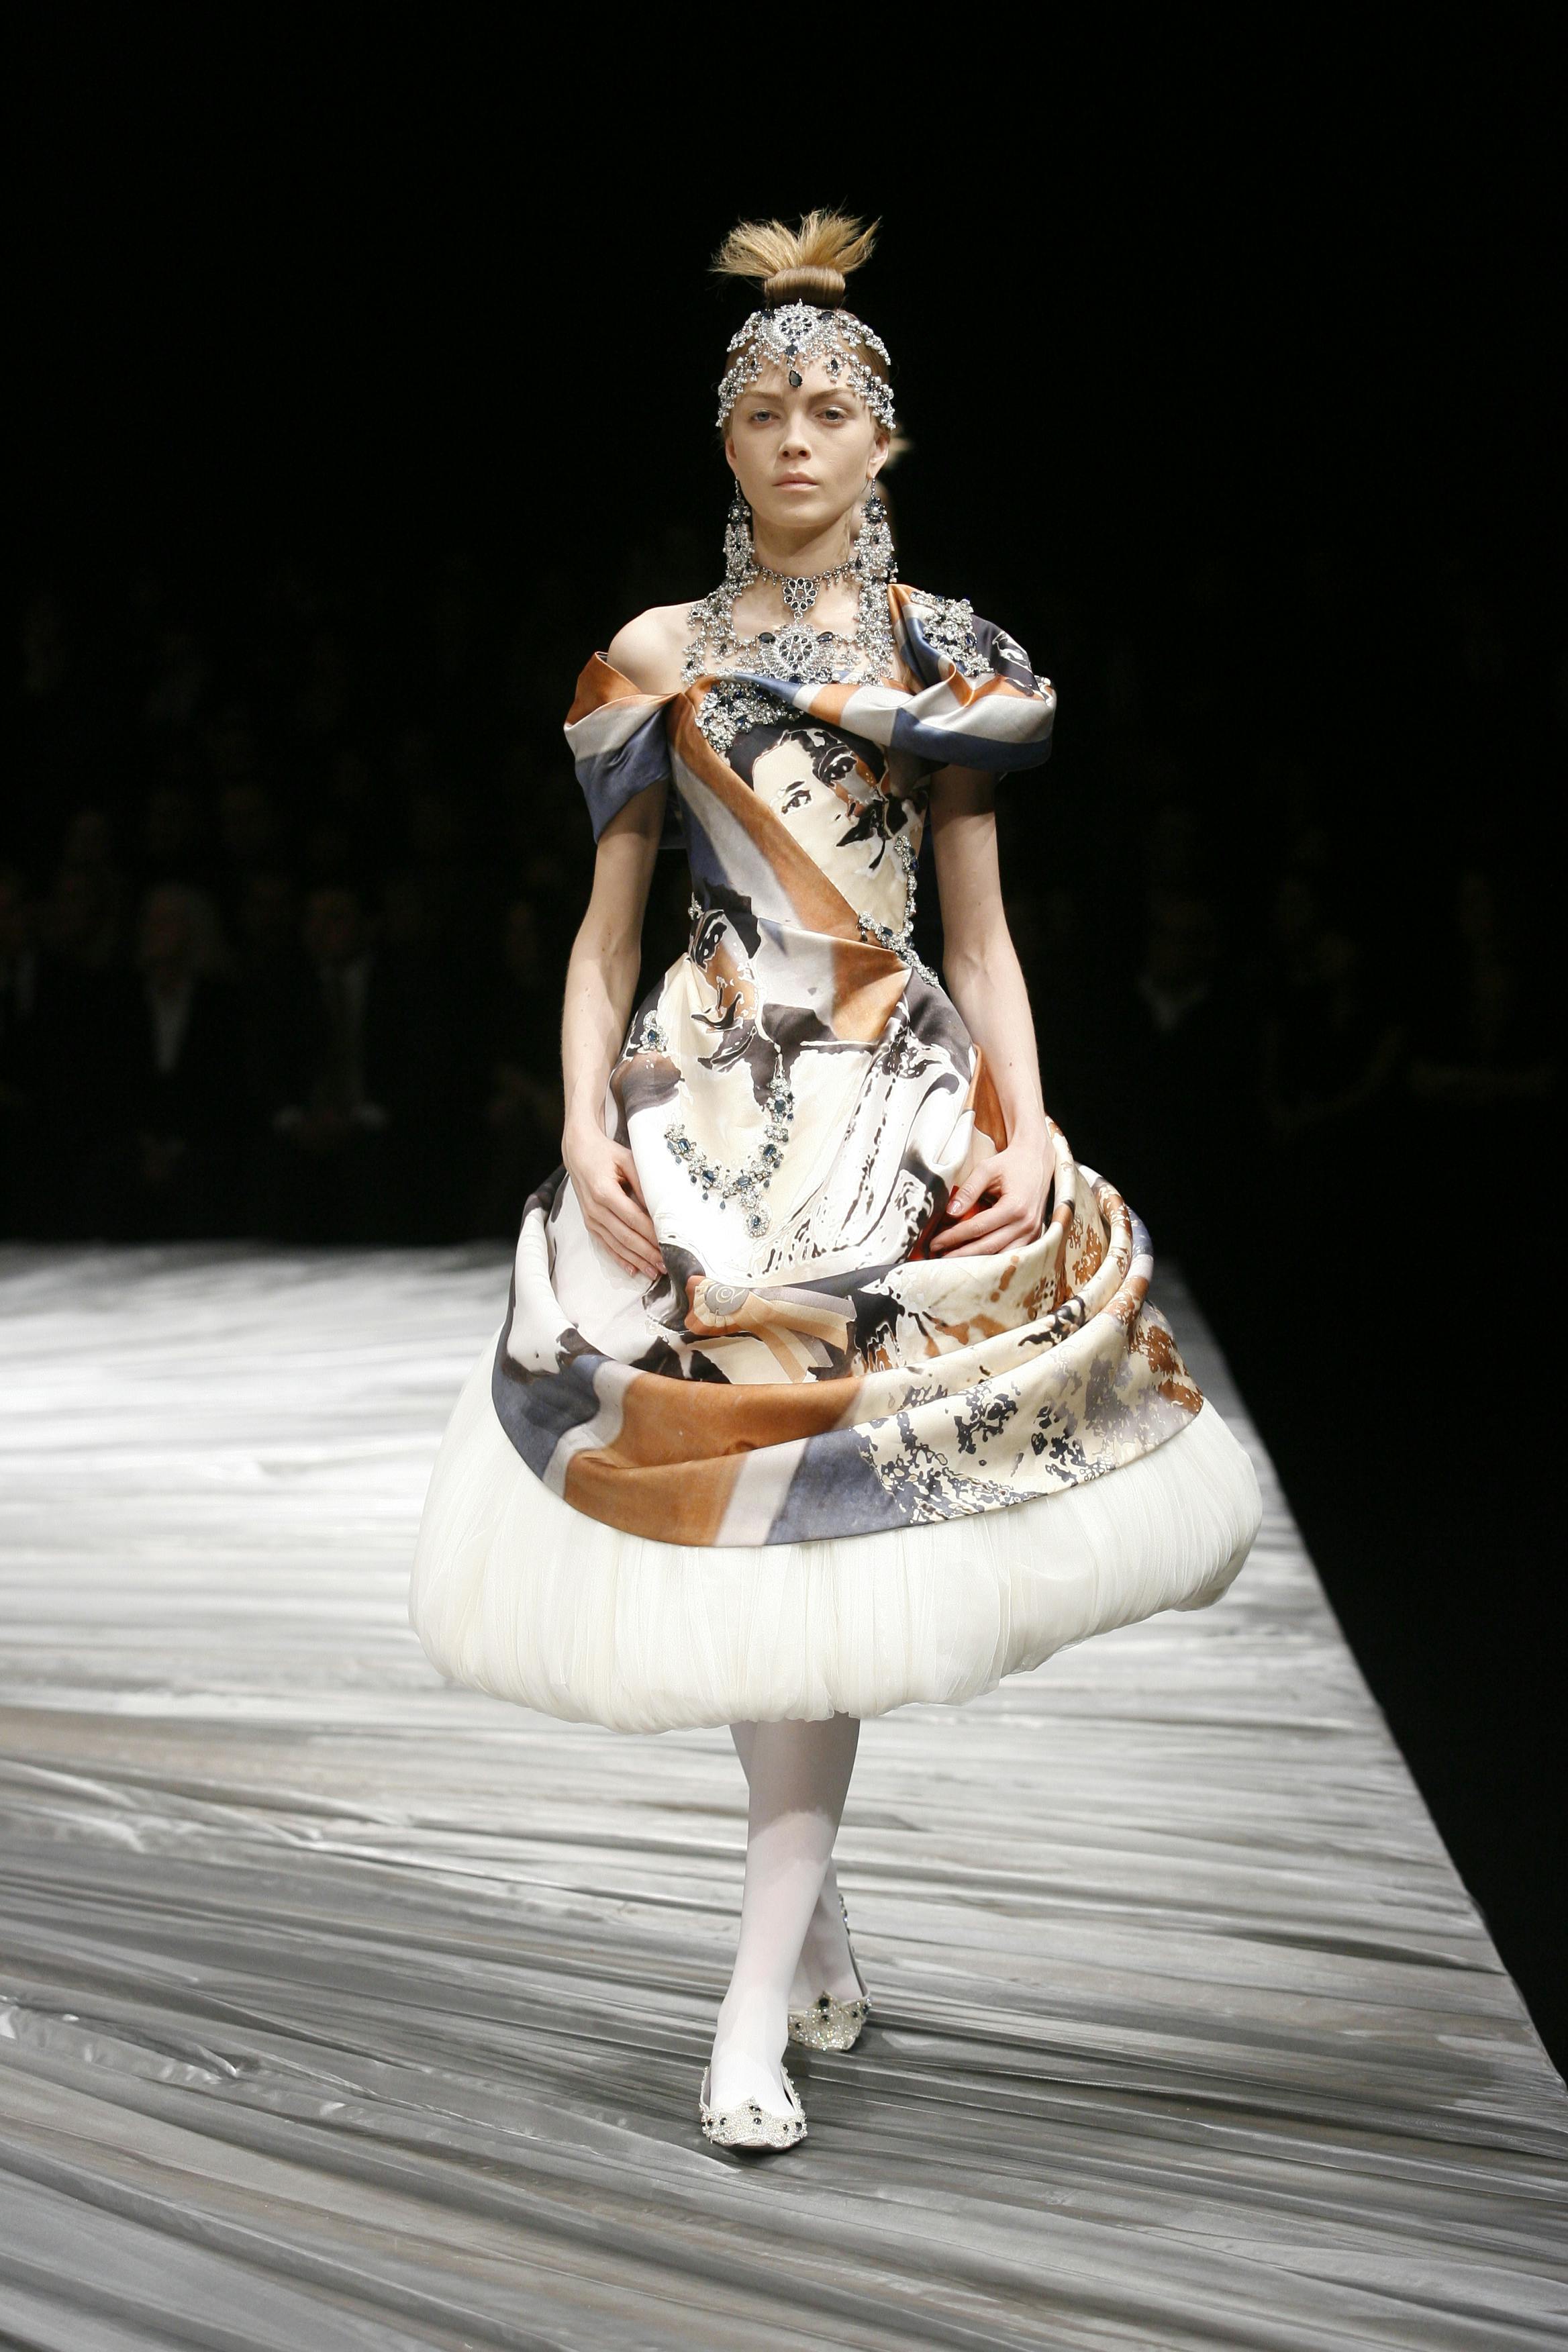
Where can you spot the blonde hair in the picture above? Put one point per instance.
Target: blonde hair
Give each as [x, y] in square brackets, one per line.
[808, 263]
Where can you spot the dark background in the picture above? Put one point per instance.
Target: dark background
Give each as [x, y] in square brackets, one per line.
[369, 375]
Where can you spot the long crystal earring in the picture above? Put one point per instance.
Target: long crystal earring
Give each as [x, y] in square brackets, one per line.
[740, 554]
[874, 557]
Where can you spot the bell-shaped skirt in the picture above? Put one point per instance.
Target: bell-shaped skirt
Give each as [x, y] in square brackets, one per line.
[515, 1592]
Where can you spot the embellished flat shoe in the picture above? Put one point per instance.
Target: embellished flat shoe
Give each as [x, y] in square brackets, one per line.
[830, 2024]
[749, 2126]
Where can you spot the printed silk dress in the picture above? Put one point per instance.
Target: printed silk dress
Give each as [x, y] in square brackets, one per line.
[813, 1467]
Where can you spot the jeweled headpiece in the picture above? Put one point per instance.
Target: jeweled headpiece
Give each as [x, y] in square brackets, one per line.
[802, 273]
[798, 335]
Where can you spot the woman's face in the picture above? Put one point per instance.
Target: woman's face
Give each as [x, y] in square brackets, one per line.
[803, 455]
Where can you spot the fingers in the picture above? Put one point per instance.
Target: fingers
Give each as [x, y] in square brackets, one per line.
[628, 1167]
[629, 1208]
[623, 1226]
[627, 1202]
[613, 1191]
[985, 1219]
[989, 1245]
[633, 1221]
[605, 1178]
[1003, 1223]
[608, 1201]
[625, 1246]
[636, 1254]
[974, 1236]
[979, 1181]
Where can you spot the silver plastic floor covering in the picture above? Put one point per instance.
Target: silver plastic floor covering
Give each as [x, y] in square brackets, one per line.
[345, 2011]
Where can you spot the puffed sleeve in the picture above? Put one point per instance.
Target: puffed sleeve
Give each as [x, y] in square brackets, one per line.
[1006, 658]
[618, 739]
[978, 701]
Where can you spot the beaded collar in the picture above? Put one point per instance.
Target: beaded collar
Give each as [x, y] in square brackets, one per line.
[796, 655]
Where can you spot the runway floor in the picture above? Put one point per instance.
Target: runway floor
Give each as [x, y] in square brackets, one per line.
[345, 2011]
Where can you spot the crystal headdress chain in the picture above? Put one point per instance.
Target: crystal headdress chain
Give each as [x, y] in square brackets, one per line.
[798, 335]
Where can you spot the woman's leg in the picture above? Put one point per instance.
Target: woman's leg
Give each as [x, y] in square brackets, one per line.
[799, 1777]
[826, 1963]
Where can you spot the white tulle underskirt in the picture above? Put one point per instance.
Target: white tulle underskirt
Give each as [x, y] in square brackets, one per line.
[516, 1593]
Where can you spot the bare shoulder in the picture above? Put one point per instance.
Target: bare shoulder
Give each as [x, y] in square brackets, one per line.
[649, 649]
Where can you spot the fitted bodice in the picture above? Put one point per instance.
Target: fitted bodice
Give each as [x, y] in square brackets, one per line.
[860, 822]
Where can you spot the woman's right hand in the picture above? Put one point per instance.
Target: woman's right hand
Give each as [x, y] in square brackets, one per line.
[605, 1178]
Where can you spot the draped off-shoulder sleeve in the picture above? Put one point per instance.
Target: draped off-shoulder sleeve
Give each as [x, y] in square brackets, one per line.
[618, 741]
[976, 701]
[979, 702]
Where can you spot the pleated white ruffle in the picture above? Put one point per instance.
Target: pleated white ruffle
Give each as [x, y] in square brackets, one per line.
[517, 1594]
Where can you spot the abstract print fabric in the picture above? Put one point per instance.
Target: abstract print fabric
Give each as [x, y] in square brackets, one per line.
[812, 1468]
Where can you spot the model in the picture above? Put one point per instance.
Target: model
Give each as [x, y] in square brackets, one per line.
[828, 1381]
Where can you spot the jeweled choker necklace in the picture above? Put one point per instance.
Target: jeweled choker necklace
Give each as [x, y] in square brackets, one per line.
[796, 654]
[799, 589]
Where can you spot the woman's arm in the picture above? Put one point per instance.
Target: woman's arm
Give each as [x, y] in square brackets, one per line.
[602, 975]
[601, 980]
[985, 980]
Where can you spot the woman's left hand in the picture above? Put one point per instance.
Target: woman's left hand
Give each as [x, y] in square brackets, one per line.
[1000, 1205]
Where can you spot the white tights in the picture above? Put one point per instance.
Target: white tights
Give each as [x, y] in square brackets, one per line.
[792, 1931]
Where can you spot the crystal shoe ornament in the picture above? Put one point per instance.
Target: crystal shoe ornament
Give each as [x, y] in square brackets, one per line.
[749, 2125]
[830, 2024]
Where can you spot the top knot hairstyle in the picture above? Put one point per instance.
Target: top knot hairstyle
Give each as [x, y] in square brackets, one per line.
[802, 273]
[808, 263]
